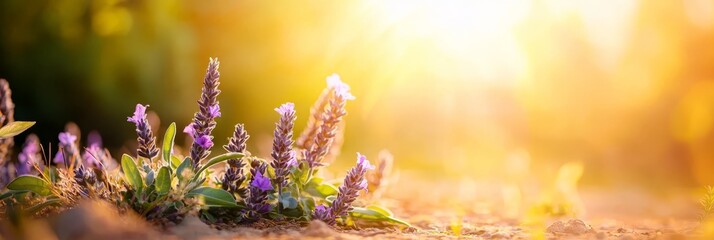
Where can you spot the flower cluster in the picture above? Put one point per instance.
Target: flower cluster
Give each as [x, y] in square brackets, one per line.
[163, 192]
[204, 120]
[147, 141]
[349, 191]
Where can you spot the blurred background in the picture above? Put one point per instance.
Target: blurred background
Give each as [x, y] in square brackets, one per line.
[453, 89]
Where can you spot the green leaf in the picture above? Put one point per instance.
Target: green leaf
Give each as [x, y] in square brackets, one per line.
[133, 177]
[288, 201]
[14, 128]
[32, 184]
[168, 143]
[50, 174]
[163, 181]
[175, 162]
[372, 215]
[213, 197]
[300, 172]
[184, 166]
[11, 193]
[215, 160]
[150, 175]
[308, 205]
[317, 188]
[384, 211]
[40, 206]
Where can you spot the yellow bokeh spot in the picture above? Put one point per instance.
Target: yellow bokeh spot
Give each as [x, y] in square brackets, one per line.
[693, 117]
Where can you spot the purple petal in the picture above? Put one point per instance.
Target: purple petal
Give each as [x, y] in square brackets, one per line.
[67, 138]
[215, 111]
[59, 158]
[261, 182]
[286, 108]
[293, 160]
[189, 129]
[205, 141]
[139, 114]
[362, 161]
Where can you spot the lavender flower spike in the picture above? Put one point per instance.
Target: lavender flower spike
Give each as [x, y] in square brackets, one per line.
[147, 141]
[67, 146]
[331, 118]
[29, 156]
[257, 201]
[234, 177]
[283, 155]
[7, 115]
[204, 120]
[348, 192]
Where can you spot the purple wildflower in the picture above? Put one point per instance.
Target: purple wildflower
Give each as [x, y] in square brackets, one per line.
[348, 191]
[7, 115]
[67, 146]
[234, 177]
[261, 182]
[283, 155]
[147, 141]
[331, 118]
[323, 213]
[204, 141]
[257, 201]
[204, 120]
[29, 156]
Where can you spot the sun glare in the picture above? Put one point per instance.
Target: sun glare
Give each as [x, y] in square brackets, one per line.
[463, 41]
